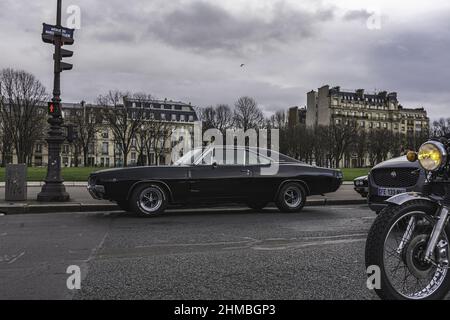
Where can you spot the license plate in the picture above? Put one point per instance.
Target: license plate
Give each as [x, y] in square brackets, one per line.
[390, 192]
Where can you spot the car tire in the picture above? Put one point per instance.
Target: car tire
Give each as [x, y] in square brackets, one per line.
[291, 198]
[148, 200]
[124, 205]
[257, 205]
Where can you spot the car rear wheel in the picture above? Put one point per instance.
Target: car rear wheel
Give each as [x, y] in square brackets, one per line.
[291, 198]
[148, 200]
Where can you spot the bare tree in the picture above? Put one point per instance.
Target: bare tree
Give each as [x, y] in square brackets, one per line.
[360, 146]
[379, 145]
[342, 137]
[88, 123]
[161, 133]
[278, 120]
[22, 111]
[247, 114]
[123, 119]
[441, 127]
[219, 117]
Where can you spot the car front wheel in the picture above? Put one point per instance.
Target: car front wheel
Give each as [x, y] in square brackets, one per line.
[292, 198]
[148, 200]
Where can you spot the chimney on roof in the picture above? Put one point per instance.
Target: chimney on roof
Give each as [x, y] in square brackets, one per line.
[392, 96]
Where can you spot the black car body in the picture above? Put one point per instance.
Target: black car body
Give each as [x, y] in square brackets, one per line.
[204, 179]
[361, 185]
[393, 177]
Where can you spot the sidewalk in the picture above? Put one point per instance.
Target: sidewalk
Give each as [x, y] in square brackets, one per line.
[81, 201]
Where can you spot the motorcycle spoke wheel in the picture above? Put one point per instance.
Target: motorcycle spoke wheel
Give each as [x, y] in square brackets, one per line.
[404, 248]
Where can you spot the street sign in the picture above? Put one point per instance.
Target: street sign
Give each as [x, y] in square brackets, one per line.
[49, 32]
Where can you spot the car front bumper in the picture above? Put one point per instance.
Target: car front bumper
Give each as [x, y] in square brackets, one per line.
[96, 191]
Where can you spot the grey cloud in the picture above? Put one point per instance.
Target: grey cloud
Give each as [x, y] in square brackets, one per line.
[357, 15]
[202, 26]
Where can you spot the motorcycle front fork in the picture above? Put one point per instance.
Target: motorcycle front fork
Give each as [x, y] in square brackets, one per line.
[442, 253]
[435, 235]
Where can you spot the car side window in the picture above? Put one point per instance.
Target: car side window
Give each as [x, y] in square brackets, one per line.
[252, 158]
[207, 158]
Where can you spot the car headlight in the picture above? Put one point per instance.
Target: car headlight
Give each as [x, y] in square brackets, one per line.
[432, 155]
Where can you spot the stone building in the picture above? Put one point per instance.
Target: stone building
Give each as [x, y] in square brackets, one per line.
[296, 115]
[380, 110]
[104, 151]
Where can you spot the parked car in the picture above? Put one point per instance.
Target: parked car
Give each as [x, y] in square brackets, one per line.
[202, 176]
[393, 177]
[361, 185]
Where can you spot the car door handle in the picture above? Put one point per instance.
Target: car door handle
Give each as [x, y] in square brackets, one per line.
[246, 171]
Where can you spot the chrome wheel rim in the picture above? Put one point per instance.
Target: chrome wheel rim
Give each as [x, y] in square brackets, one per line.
[405, 270]
[292, 197]
[151, 199]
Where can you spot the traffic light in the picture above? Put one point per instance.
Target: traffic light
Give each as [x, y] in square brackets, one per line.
[54, 109]
[59, 36]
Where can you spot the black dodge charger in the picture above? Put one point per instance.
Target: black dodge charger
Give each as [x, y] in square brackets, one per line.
[213, 175]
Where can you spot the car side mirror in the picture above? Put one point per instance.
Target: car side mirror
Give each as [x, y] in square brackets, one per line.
[214, 164]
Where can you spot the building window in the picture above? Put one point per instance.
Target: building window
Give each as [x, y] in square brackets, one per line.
[163, 116]
[105, 134]
[39, 148]
[174, 117]
[191, 118]
[182, 117]
[133, 157]
[105, 148]
[66, 149]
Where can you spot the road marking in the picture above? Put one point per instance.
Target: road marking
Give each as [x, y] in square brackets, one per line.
[309, 244]
[16, 258]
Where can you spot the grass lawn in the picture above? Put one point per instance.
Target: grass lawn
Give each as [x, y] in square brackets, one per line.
[81, 174]
[351, 174]
[69, 174]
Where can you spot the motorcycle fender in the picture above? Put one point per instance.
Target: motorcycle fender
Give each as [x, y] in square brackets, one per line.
[403, 198]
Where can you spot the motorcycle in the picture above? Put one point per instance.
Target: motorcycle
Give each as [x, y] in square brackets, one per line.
[408, 242]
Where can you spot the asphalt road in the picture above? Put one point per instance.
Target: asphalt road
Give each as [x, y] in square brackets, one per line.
[198, 254]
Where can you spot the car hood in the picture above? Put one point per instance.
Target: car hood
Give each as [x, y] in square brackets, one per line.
[397, 162]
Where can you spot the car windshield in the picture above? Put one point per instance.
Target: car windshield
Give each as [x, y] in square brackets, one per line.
[189, 158]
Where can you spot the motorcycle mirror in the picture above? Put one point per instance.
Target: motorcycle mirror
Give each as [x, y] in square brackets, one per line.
[411, 156]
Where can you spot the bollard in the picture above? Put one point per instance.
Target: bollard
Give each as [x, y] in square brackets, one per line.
[16, 182]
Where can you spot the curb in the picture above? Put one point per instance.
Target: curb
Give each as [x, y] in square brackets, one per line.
[41, 183]
[83, 207]
[84, 183]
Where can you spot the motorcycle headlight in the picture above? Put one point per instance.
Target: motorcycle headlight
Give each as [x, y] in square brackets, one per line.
[432, 155]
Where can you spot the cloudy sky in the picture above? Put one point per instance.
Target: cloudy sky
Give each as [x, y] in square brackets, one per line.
[191, 50]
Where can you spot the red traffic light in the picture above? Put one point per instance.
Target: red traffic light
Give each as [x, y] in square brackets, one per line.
[53, 108]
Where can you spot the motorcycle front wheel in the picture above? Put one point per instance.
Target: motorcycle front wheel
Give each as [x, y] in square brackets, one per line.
[396, 244]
